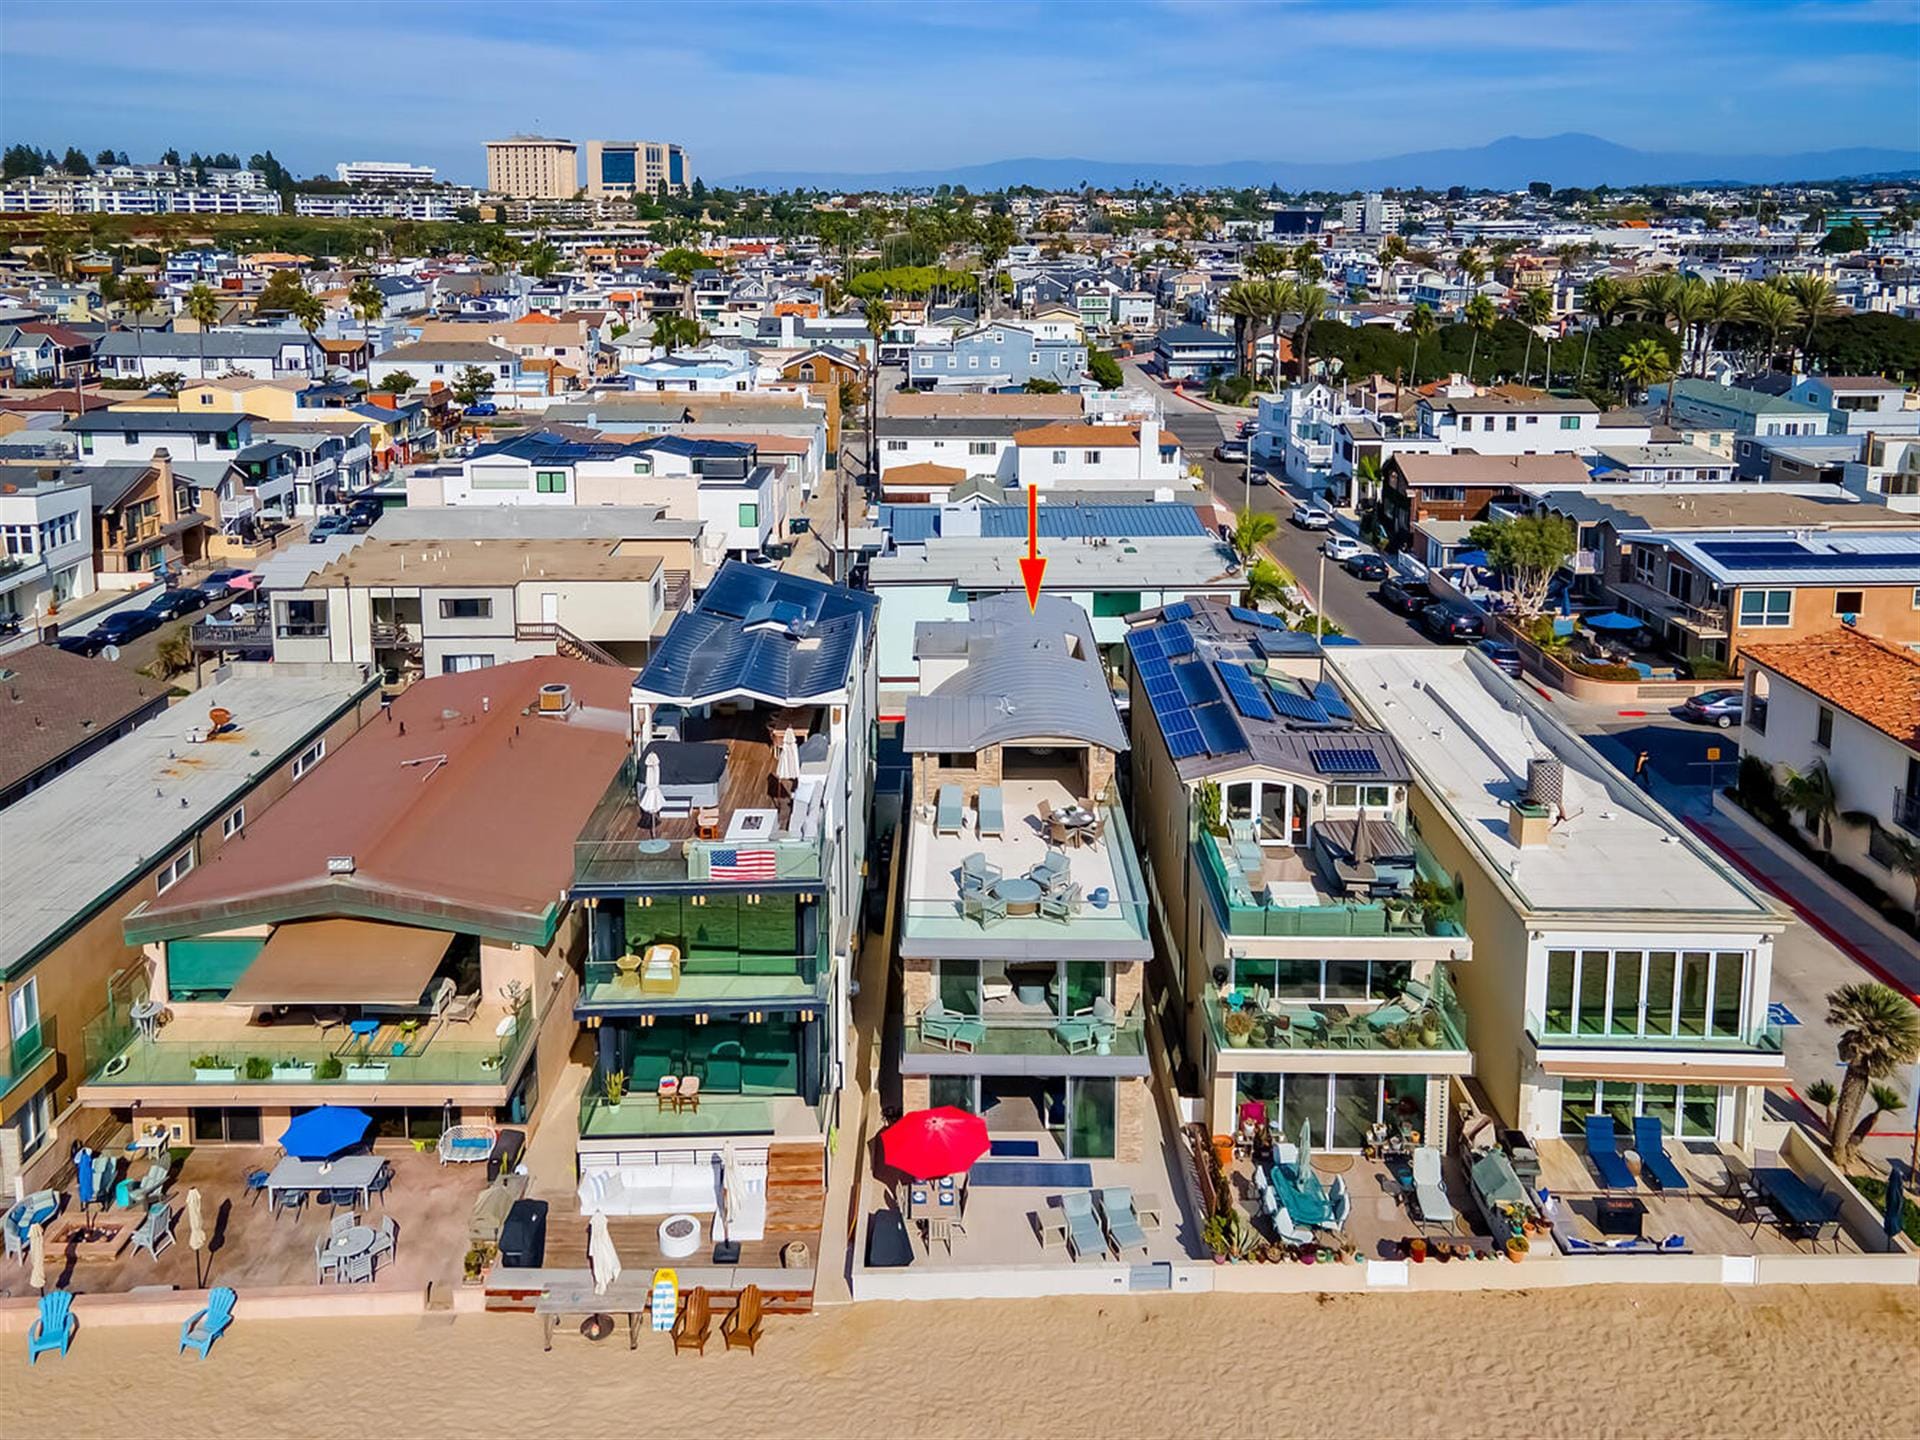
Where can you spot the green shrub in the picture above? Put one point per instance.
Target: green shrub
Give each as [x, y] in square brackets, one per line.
[258, 1067]
[329, 1068]
[1705, 669]
[1594, 671]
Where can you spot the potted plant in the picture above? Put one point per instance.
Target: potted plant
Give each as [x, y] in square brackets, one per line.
[366, 1072]
[214, 1068]
[292, 1069]
[1417, 1249]
[329, 1068]
[1239, 1028]
[616, 1086]
[479, 1258]
[1214, 1235]
[258, 1067]
[1517, 1248]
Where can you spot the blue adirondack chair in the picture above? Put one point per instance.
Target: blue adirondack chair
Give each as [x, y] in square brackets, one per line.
[203, 1327]
[54, 1329]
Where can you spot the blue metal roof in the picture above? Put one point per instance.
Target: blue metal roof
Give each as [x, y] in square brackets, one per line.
[916, 524]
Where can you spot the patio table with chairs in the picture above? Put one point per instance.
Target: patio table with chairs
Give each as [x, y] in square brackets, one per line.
[361, 1174]
[1811, 1214]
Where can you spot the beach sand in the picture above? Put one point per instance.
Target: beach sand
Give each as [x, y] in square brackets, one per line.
[1781, 1363]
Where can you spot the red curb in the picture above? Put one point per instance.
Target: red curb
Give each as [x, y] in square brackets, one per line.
[1841, 942]
[1632, 714]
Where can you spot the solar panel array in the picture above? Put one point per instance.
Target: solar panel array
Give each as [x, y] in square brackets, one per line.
[1179, 610]
[1247, 696]
[1292, 705]
[1328, 694]
[1345, 761]
[1176, 638]
[1254, 617]
[1185, 697]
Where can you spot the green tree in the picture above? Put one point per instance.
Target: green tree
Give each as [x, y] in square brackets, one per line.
[502, 252]
[1266, 262]
[1252, 530]
[1689, 304]
[172, 382]
[1103, 369]
[308, 312]
[1642, 365]
[1277, 298]
[398, 382]
[1266, 583]
[203, 308]
[369, 304]
[1421, 325]
[1037, 386]
[1311, 303]
[283, 287]
[1244, 304]
[138, 297]
[76, 162]
[1773, 313]
[1535, 310]
[1810, 794]
[1816, 299]
[540, 259]
[1529, 551]
[670, 332]
[1723, 302]
[472, 385]
[1879, 1034]
[1480, 317]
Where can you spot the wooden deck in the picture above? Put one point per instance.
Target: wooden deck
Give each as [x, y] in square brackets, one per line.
[753, 754]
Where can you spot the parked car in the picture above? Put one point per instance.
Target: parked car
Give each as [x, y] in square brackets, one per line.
[174, 603]
[483, 408]
[1450, 620]
[1403, 597]
[89, 644]
[1503, 654]
[126, 625]
[1313, 517]
[220, 583]
[1341, 547]
[328, 526]
[1368, 566]
[362, 513]
[1235, 450]
[1714, 707]
[1246, 428]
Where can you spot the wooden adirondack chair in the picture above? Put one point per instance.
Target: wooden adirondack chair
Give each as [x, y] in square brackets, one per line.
[694, 1324]
[742, 1327]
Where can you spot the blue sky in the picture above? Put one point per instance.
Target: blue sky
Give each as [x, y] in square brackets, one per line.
[880, 86]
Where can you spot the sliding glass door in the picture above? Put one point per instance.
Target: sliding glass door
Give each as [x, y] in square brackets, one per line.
[1651, 994]
[1336, 1110]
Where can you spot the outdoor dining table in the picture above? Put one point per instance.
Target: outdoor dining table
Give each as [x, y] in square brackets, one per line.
[1804, 1209]
[1303, 1195]
[1021, 894]
[355, 1172]
[353, 1241]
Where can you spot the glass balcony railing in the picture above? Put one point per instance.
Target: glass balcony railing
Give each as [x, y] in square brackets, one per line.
[671, 862]
[257, 1059]
[1037, 1036]
[1251, 1021]
[1556, 1035]
[1430, 910]
[719, 979]
[24, 1052]
[639, 1116]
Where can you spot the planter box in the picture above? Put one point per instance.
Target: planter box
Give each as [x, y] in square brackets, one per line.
[224, 1076]
[374, 1071]
[298, 1073]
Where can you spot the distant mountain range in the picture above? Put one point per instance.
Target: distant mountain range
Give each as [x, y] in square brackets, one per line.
[1507, 164]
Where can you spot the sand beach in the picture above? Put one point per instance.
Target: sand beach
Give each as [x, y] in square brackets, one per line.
[1592, 1363]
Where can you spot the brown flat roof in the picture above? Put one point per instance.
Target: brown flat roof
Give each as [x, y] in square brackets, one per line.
[496, 562]
[52, 702]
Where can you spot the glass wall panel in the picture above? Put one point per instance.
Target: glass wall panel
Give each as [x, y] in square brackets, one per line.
[954, 1090]
[1305, 1102]
[1346, 980]
[1239, 801]
[1729, 971]
[959, 985]
[1273, 812]
[1660, 1101]
[1405, 1102]
[1252, 1086]
[1356, 1105]
[1090, 1128]
[1661, 965]
[1617, 1099]
[1297, 980]
[1559, 1017]
[1593, 992]
[1086, 982]
[1626, 993]
[1699, 1110]
[1248, 973]
[1576, 1104]
[1694, 965]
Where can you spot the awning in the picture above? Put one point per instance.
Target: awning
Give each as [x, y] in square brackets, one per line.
[1708, 1072]
[342, 962]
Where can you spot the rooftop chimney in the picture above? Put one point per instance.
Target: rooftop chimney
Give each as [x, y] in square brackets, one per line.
[163, 471]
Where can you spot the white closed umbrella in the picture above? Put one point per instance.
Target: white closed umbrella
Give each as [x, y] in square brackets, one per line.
[196, 1230]
[652, 802]
[602, 1258]
[729, 1202]
[37, 1255]
[787, 767]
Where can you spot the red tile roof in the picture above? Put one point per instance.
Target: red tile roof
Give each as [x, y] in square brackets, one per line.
[1870, 679]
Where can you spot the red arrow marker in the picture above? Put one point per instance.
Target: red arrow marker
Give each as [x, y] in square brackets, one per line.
[1033, 564]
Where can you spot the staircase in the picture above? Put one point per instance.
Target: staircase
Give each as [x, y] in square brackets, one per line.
[565, 642]
[796, 1192]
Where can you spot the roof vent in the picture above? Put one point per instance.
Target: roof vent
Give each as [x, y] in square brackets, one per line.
[556, 698]
[340, 865]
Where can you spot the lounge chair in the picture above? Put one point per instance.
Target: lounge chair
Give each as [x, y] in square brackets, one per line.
[992, 820]
[1084, 1235]
[1604, 1156]
[1651, 1143]
[693, 1326]
[462, 1008]
[949, 1029]
[978, 905]
[54, 1329]
[156, 1231]
[1123, 1226]
[1339, 1204]
[741, 1329]
[203, 1327]
[151, 1185]
[1430, 1203]
[950, 813]
[1088, 1028]
[977, 872]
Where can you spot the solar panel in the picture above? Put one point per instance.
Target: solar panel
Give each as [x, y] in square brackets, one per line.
[1180, 610]
[1328, 694]
[1345, 762]
[1254, 617]
[1186, 745]
[1218, 729]
[1246, 695]
[1151, 666]
[1165, 690]
[1197, 682]
[1177, 639]
[1145, 642]
[1292, 705]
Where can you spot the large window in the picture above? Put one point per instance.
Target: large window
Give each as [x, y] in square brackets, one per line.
[1690, 1112]
[1337, 1110]
[1769, 609]
[1649, 993]
[1279, 806]
[467, 607]
[1315, 980]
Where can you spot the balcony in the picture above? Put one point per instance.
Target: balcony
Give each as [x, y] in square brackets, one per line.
[1420, 1019]
[219, 1051]
[1758, 1039]
[1031, 1037]
[642, 1116]
[24, 1054]
[719, 980]
[220, 635]
[1240, 911]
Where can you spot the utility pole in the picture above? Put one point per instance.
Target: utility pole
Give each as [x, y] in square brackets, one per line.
[1320, 599]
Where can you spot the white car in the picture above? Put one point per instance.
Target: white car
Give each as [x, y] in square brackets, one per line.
[1313, 517]
[1341, 547]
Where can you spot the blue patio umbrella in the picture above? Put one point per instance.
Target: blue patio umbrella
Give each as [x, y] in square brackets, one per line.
[1476, 558]
[323, 1132]
[83, 1174]
[1612, 620]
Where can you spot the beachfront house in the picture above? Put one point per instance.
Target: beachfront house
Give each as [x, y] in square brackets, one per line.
[724, 872]
[1022, 935]
[1314, 945]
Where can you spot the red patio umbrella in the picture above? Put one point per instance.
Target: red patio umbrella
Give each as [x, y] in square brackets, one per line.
[927, 1144]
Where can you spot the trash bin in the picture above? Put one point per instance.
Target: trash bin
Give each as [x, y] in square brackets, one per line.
[523, 1235]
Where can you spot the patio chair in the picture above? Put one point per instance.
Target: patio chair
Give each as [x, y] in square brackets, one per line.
[949, 1029]
[1084, 1235]
[1076, 1034]
[462, 1008]
[387, 1242]
[378, 1185]
[156, 1231]
[1284, 1226]
[992, 819]
[294, 1200]
[693, 1326]
[1339, 1204]
[949, 811]
[1123, 1226]
[203, 1327]
[741, 1329]
[256, 1186]
[54, 1329]
[340, 1223]
[687, 1096]
[1430, 1203]
[1604, 1156]
[1053, 871]
[150, 1186]
[1062, 904]
[1060, 833]
[356, 1268]
[325, 1262]
[977, 872]
[1650, 1141]
[1043, 808]
[979, 905]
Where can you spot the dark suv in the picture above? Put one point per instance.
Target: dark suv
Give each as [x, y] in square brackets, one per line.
[1449, 620]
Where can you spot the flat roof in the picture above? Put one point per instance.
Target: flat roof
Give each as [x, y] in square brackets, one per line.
[500, 561]
[76, 843]
[1716, 507]
[1469, 733]
[1148, 563]
[533, 522]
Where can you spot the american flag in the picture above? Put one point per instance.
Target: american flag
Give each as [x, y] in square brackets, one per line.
[741, 865]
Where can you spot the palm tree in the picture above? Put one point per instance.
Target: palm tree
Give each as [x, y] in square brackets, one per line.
[1266, 581]
[878, 316]
[1774, 312]
[1654, 297]
[369, 304]
[1602, 299]
[540, 260]
[137, 296]
[203, 308]
[1689, 307]
[1277, 299]
[1243, 305]
[1536, 309]
[1311, 301]
[307, 311]
[1879, 1033]
[1816, 300]
[1480, 317]
[1724, 302]
[1393, 249]
[1251, 531]
[672, 331]
[502, 251]
[1420, 325]
[1643, 364]
[1472, 266]
[1904, 859]
[1810, 795]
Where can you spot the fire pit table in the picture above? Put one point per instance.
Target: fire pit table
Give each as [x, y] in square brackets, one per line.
[679, 1236]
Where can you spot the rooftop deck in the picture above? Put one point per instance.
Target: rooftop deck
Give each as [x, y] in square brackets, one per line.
[1292, 895]
[1110, 923]
[783, 1117]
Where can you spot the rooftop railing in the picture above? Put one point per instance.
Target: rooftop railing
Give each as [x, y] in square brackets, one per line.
[1553, 1034]
[1257, 1022]
[1036, 1035]
[1241, 913]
